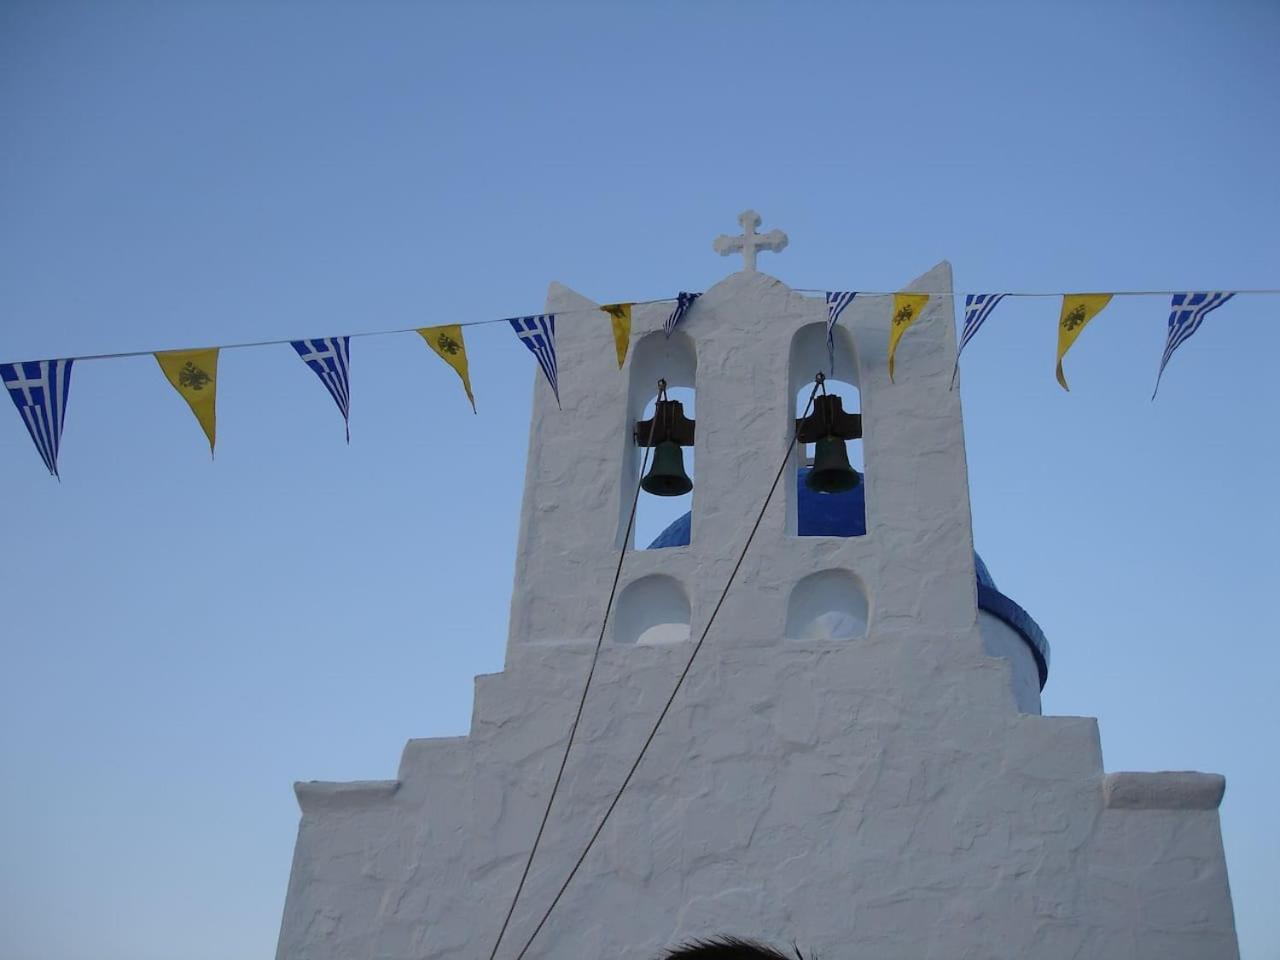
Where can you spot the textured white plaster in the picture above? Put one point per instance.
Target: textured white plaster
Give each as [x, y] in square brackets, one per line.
[319, 794]
[1180, 790]
[877, 797]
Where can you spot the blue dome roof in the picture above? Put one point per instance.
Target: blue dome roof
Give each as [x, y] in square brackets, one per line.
[845, 515]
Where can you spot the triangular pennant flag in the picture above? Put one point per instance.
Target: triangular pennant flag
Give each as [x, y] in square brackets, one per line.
[330, 359]
[683, 302]
[977, 307]
[1077, 310]
[39, 390]
[1187, 313]
[620, 316]
[837, 300]
[194, 374]
[907, 308]
[539, 335]
[448, 344]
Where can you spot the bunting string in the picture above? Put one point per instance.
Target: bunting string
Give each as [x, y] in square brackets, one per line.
[39, 388]
[950, 295]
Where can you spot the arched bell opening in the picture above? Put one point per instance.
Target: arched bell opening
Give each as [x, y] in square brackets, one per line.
[828, 606]
[652, 610]
[661, 411]
[827, 492]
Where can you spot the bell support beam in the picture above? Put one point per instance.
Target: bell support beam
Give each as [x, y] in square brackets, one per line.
[667, 423]
[829, 420]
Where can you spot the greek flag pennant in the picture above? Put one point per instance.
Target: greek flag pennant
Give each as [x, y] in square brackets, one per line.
[837, 300]
[330, 359]
[977, 307]
[683, 302]
[39, 390]
[539, 335]
[1188, 312]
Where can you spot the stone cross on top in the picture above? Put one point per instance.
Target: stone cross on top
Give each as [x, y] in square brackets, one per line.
[750, 241]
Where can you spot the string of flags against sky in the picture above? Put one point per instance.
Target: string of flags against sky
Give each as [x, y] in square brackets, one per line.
[39, 388]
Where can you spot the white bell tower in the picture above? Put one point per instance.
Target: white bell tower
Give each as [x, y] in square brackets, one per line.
[878, 793]
[747, 346]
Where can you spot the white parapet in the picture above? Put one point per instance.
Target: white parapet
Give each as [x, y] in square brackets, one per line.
[1168, 790]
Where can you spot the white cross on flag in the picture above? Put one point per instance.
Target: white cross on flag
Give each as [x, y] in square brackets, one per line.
[1187, 312]
[330, 358]
[977, 307]
[39, 390]
[539, 335]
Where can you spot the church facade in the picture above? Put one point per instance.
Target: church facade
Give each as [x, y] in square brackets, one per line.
[856, 763]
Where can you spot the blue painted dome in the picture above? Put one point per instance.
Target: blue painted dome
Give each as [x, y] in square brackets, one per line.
[845, 515]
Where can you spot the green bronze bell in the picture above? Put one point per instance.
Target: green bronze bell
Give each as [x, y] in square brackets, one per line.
[831, 471]
[666, 476]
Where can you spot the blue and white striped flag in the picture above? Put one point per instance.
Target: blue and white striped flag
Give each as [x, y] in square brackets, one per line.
[683, 302]
[330, 358]
[837, 300]
[977, 307]
[39, 389]
[1188, 312]
[539, 335]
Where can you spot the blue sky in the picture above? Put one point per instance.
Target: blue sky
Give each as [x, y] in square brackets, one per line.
[185, 638]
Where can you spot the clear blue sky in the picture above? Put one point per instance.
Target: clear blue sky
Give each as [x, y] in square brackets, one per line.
[184, 638]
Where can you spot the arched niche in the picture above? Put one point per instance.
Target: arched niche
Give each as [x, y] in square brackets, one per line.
[655, 357]
[830, 605]
[652, 610]
[809, 356]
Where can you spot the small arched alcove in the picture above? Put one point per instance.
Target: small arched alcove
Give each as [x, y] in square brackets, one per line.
[824, 514]
[829, 605]
[652, 610]
[656, 357]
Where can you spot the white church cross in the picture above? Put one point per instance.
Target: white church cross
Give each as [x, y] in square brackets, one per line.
[750, 241]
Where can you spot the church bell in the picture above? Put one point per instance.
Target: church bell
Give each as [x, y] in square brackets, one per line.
[831, 471]
[666, 432]
[827, 428]
[666, 476]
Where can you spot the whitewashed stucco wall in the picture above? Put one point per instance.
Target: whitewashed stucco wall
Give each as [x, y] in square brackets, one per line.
[872, 797]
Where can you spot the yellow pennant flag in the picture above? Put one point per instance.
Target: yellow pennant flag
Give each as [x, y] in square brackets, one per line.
[620, 314]
[448, 343]
[1077, 310]
[194, 374]
[907, 308]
